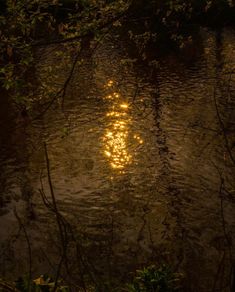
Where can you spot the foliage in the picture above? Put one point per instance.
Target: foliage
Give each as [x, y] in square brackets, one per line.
[42, 284]
[153, 279]
[149, 279]
[177, 20]
[27, 25]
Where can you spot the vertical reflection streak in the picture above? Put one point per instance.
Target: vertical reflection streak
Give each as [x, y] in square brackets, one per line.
[116, 135]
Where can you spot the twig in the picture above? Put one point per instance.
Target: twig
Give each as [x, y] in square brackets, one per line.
[223, 128]
[58, 219]
[221, 263]
[29, 248]
[69, 78]
[76, 38]
[227, 237]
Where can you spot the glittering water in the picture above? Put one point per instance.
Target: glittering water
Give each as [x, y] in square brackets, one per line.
[140, 163]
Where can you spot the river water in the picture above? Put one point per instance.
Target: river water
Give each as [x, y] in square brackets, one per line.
[142, 167]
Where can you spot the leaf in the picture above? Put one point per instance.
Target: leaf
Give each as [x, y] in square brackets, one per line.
[117, 23]
[39, 281]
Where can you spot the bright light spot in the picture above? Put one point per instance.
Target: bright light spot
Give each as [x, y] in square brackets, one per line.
[115, 114]
[124, 105]
[139, 139]
[110, 83]
[117, 166]
[109, 96]
[116, 94]
[116, 145]
[107, 153]
[115, 138]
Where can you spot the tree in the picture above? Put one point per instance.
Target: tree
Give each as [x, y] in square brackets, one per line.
[27, 25]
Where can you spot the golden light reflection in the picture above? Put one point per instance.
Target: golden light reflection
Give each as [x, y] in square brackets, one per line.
[117, 135]
[114, 95]
[115, 114]
[124, 105]
[138, 139]
[110, 83]
[116, 144]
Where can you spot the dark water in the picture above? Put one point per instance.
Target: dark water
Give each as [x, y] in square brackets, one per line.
[142, 165]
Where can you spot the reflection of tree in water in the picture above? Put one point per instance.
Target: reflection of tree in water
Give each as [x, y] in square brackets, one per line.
[14, 161]
[7, 154]
[224, 115]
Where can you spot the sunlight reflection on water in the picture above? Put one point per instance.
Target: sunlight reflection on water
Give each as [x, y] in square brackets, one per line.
[117, 132]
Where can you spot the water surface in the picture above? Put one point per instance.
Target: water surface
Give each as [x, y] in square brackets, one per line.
[141, 166]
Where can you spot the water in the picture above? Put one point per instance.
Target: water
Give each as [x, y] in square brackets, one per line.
[140, 164]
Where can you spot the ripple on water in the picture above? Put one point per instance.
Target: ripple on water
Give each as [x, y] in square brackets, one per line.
[136, 160]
